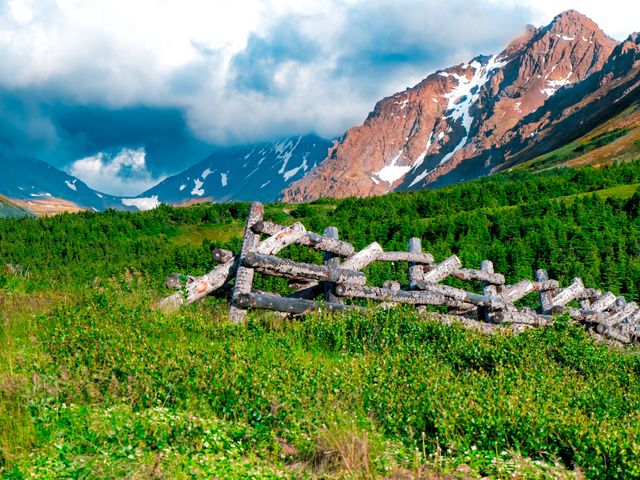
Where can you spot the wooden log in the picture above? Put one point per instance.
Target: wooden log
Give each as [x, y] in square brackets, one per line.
[220, 255]
[201, 286]
[364, 257]
[280, 267]
[442, 270]
[513, 293]
[414, 257]
[391, 285]
[618, 336]
[244, 275]
[488, 289]
[568, 294]
[317, 242]
[602, 303]
[332, 261]
[487, 277]
[282, 239]
[413, 297]
[546, 296]
[522, 315]
[178, 280]
[461, 295]
[546, 285]
[294, 306]
[415, 269]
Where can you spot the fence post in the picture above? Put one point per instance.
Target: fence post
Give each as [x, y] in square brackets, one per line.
[488, 290]
[332, 261]
[545, 296]
[244, 275]
[415, 270]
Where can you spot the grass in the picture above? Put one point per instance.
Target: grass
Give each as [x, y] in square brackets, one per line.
[98, 384]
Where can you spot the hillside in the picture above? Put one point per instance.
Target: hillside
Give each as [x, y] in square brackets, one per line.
[95, 382]
[9, 209]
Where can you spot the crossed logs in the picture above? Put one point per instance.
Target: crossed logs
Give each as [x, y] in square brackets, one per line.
[341, 277]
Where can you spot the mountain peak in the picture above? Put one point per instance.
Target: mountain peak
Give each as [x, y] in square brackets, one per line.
[571, 23]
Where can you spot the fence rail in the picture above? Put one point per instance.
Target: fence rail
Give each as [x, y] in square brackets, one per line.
[340, 277]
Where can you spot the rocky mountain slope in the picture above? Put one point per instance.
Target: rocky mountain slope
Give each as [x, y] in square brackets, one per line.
[250, 172]
[548, 87]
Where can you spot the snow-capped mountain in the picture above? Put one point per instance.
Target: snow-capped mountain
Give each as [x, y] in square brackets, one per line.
[482, 116]
[42, 189]
[250, 172]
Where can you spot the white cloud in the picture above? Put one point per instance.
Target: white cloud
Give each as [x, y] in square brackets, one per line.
[124, 173]
[180, 53]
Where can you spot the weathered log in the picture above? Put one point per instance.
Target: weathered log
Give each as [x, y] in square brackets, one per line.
[522, 315]
[442, 270]
[332, 261]
[364, 257]
[317, 242]
[294, 306]
[546, 296]
[513, 293]
[414, 297]
[607, 321]
[615, 334]
[568, 294]
[414, 257]
[178, 280]
[201, 286]
[602, 303]
[461, 295]
[481, 275]
[220, 255]
[415, 269]
[391, 285]
[244, 275]
[280, 267]
[282, 239]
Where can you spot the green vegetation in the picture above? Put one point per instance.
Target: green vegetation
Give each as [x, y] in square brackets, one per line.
[96, 383]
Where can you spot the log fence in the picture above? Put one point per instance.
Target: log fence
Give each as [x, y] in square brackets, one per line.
[339, 281]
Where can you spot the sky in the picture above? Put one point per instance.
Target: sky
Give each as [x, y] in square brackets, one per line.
[122, 93]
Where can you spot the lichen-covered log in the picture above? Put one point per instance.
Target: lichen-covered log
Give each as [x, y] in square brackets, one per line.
[572, 292]
[201, 286]
[294, 306]
[521, 315]
[244, 275]
[280, 267]
[462, 296]
[442, 270]
[391, 285]
[317, 242]
[488, 289]
[364, 257]
[607, 321]
[468, 274]
[410, 256]
[332, 261]
[220, 255]
[282, 239]
[513, 293]
[546, 296]
[414, 297]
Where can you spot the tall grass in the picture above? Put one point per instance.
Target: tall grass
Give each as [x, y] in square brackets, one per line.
[100, 384]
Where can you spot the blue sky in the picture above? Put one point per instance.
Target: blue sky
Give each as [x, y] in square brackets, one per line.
[122, 93]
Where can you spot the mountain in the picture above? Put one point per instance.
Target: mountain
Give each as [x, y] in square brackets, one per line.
[546, 88]
[250, 172]
[40, 188]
